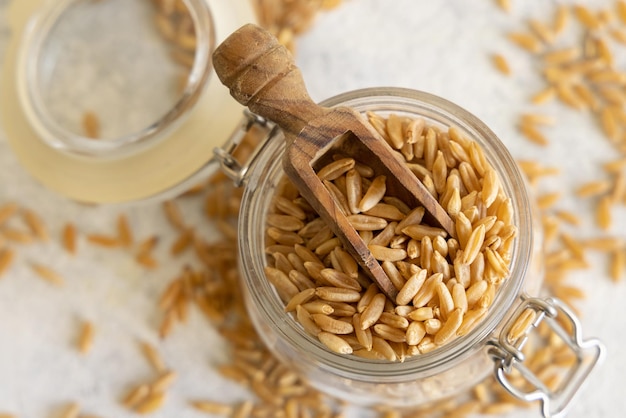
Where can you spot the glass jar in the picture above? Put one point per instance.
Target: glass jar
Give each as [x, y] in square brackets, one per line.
[452, 368]
[107, 116]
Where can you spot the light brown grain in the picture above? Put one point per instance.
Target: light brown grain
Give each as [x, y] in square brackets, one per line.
[501, 64]
[335, 294]
[334, 343]
[605, 243]
[446, 302]
[562, 56]
[151, 403]
[522, 325]
[336, 169]
[561, 19]
[48, 274]
[504, 5]
[603, 212]
[212, 407]
[427, 291]
[288, 207]
[281, 281]
[533, 134]
[331, 325]
[17, 235]
[91, 125]
[124, 233]
[593, 188]
[569, 217]
[470, 319]
[615, 165]
[374, 194]
[411, 287]
[7, 210]
[544, 95]
[474, 244]
[363, 335]
[389, 333]
[498, 408]
[415, 333]
[85, 338]
[147, 245]
[362, 222]
[300, 299]
[568, 95]
[35, 224]
[305, 319]
[372, 312]
[618, 264]
[449, 329]
[383, 253]
[419, 231]
[174, 214]
[339, 279]
[243, 410]
[6, 259]
[183, 242]
[285, 222]
[104, 240]
[382, 347]
[548, 200]
[432, 326]
[586, 17]
[386, 211]
[542, 31]
[69, 238]
[395, 133]
[146, 260]
[162, 383]
[152, 355]
[136, 395]
[618, 194]
[70, 411]
[525, 41]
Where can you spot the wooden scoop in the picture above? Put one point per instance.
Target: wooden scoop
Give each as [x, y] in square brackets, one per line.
[262, 75]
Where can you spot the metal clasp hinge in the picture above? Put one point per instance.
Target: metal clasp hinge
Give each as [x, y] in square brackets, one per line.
[507, 354]
[234, 169]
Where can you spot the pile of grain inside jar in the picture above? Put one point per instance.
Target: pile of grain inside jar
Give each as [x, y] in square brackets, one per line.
[445, 285]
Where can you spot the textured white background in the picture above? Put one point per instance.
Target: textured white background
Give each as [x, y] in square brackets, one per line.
[435, 46]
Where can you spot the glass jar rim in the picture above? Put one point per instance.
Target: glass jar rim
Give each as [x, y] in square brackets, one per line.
[32, 46]
[431, 363]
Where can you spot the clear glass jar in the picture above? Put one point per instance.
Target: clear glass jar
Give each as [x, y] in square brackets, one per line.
[450, 369]
[116, 101]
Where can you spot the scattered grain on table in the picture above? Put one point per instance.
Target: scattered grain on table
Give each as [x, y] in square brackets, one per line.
[86, 337]
[68, 238]
[501, 64]
[48, 274]
[71, 411]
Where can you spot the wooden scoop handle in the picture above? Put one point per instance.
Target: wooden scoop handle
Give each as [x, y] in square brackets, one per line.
[262, 75]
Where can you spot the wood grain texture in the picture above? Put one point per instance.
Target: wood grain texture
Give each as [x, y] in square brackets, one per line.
[262, 75]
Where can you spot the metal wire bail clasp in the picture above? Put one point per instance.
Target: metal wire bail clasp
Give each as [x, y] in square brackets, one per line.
[234, 169]
[510, 367]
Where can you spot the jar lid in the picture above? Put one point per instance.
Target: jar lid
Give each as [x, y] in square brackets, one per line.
[116, 100]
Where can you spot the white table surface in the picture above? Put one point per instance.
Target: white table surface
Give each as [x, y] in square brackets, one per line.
[435, 46]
